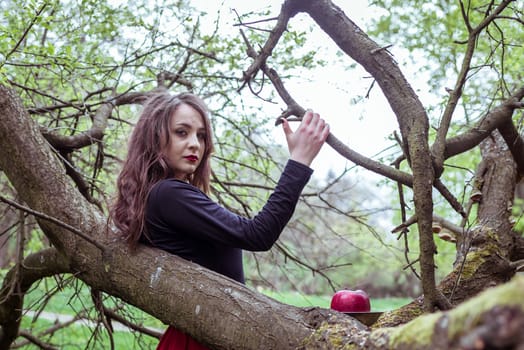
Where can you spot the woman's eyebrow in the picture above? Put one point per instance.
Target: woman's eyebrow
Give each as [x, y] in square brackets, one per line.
[184, 124]
[189, 126]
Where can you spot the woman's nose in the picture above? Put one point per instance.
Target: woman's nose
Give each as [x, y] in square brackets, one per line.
[193, 141]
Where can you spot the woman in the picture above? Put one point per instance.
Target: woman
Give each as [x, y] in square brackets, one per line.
[163, 189]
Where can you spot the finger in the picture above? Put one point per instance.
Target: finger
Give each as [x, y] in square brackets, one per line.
[308, 116]
[325, 131]
[318, 122]
[286, 127]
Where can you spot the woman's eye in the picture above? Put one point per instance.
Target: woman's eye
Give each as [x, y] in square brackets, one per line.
[181, 132]
[201, 136]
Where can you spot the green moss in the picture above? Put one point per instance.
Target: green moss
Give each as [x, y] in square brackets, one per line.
[331, 336]
[400, 316]
[473, 261]
[476, 258]
[417, 332]
[470, 312]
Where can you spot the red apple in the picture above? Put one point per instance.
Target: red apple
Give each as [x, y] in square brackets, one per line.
[351, 301]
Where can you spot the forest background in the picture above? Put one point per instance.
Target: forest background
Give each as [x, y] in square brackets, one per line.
[65, 58]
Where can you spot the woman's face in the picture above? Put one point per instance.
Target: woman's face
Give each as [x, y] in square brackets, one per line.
[187, 141]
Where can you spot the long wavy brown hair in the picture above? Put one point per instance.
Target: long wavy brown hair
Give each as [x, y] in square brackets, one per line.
[146, 162]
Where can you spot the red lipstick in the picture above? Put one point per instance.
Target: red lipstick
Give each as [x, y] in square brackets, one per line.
[191, 158]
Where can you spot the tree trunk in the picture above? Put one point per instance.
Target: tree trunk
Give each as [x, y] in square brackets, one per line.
[484, 251]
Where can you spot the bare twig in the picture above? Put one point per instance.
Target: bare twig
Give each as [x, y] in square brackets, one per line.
[53, 220]
[37, 341]
[25, 33]
[111, 314]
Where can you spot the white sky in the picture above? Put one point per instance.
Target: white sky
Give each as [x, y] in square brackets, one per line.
[363, 126]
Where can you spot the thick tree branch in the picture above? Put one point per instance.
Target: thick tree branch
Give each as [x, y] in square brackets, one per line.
[511, 135]
[515, 143]
[491, 121]
[93, 135]
[89, 137]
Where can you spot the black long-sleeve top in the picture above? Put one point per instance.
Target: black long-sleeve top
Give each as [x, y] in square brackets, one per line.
[182, 220]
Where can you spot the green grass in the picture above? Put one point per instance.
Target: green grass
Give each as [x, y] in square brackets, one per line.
[301, 300]
[81, 337]
[71, 299]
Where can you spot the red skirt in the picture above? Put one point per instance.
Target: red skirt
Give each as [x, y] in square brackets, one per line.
[173, 339]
